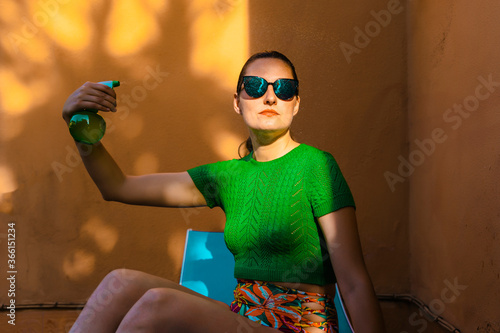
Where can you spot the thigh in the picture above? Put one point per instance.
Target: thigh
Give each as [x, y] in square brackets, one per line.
[204, 318]
[169, 310]
[118, 293]
[138, 283]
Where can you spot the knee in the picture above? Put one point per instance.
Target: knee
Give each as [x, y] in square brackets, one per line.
[165, 304]
[117, 286]
[119, 280]
[162, 298]
[158, 310]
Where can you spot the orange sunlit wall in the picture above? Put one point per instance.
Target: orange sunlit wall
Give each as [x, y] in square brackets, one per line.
[178, 62]
[374, 76]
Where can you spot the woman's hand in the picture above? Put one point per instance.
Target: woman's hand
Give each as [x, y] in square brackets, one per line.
[92, 96]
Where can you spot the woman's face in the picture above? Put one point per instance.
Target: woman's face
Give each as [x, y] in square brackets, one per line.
[268, 113]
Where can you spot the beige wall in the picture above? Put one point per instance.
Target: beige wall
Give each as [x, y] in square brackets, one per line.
[454, 208]
[354, 105]
[354, 110]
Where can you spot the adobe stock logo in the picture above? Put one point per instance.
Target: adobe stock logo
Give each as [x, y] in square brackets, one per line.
[372, 29]
[437, 306]
[48, 9]
[453, 116]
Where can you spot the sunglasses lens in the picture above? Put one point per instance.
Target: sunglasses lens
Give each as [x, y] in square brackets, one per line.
[255, 86]
[285, 89]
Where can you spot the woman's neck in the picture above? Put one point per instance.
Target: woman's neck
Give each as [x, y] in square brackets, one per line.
[270, 148]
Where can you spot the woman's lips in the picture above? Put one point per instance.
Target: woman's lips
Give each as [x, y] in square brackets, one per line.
[269, 113]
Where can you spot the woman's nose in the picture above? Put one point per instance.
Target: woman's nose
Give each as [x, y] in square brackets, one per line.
[270, 97]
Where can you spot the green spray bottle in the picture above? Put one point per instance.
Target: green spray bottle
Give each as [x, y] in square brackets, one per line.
[87, 126]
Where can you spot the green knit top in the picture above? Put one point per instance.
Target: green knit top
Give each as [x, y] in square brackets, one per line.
[272, 209]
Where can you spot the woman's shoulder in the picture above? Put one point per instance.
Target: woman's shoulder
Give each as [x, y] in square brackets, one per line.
[316, 153]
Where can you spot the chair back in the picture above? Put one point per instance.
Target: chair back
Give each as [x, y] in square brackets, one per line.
[208, 268]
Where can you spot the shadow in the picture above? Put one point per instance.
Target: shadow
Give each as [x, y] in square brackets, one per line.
[52, 206]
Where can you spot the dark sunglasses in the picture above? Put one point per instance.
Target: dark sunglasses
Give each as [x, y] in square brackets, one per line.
[256, 87]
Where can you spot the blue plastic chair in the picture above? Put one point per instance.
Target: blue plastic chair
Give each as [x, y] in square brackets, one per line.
[208, 267]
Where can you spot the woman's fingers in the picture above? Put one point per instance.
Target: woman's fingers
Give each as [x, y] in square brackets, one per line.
[101, 96]
[100, 89]
[100, 103]
[90, 95]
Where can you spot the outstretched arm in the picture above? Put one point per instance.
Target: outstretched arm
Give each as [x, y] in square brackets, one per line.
[163, 189]
[341, 234]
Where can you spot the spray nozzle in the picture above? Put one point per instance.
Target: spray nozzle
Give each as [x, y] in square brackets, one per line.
[111, 84]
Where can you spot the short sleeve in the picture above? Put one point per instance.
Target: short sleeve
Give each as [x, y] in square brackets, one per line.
[205, 179]
[327, 189]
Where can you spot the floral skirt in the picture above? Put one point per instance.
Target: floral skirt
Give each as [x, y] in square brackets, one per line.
[283, 308]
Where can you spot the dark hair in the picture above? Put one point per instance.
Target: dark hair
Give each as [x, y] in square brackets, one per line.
[262, 55]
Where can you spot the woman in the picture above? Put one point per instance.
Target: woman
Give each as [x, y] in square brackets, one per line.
[290, 218]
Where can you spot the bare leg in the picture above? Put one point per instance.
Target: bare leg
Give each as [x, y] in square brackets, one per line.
[116, 295]
[168, 310]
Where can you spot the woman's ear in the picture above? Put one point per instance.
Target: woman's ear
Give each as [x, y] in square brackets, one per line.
[296, 107]
[236, 103]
